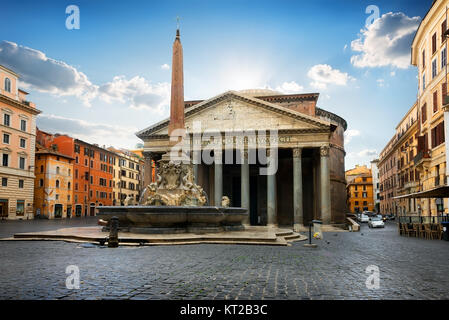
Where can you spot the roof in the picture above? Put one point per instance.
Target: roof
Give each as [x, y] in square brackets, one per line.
[43, 150]
[260, 102]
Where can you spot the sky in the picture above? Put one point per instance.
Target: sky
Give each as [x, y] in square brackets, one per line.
[109, 77]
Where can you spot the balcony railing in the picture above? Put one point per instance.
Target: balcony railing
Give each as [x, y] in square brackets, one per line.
[421, 155]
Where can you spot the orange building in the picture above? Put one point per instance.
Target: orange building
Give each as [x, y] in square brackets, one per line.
[17, 147]
[359, 186]
[53, 191]
[92, 172]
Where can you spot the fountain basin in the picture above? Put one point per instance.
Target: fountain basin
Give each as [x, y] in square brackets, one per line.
[174, 219]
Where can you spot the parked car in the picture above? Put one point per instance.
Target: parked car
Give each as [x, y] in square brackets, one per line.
[376, 222]
[390, 216]
[369, 213]
[362, 217]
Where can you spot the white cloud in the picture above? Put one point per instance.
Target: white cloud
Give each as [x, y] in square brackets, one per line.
[324, 74]
[100, 133]
[380, 82]
[165, 66]
[351, 133]
[345, 47]
[392, 73]
[386, 42]
[367, 153]
[290, 88]
[44, 74]
[137, 92]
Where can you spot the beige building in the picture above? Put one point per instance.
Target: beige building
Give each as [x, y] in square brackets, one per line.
[17, 148]
[408, 176]
[429, 55]
[128, 176]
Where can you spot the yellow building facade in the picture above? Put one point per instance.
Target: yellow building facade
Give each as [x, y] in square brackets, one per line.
[405, 147]
[128, 176]
[53, 195]
[359, 187]
[429, 55]
[17, 144]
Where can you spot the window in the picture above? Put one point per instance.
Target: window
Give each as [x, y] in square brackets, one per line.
[437, 135]
[68, 185]
[435, 101]
[443, 58]
[57, 183]
[434, 43]
[57, 170]
[7, 85]
[20, 209]
[22, 143]
[443, 30]
[5, 160]
[424, 113]
[22, 163]
[21, 184]
[77, 148]
[443, 92]
[76, 173]
[434, 68]
[6, 138]
[424, 81]
[7, 119]
[364, 195]
[4, 182]
[23, 125]
[424, 59]
[41, 182]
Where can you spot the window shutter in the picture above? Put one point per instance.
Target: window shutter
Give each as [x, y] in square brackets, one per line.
[424, 59]
[443, 92]
[435, 101]
[443, 30]
[424, 113]
[434, 43]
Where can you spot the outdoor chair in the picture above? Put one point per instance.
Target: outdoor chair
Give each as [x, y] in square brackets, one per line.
[409, 230]
[437, 231]
[415, 227]
[428, 230]
[422, 231]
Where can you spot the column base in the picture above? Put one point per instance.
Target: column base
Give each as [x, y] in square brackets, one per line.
[297, 227]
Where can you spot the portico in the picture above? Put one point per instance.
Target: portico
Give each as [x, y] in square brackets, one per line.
[229, 156]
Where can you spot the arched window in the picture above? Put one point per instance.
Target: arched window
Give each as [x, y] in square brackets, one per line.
[7, 85]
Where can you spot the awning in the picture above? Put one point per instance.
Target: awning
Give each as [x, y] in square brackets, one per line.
[439, 192]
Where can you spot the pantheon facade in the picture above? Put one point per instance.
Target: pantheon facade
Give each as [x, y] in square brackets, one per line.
[309, 182]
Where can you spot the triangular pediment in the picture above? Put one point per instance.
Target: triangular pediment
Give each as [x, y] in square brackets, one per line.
[233, 111]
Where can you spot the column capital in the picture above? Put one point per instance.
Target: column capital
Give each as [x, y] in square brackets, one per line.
[297, 152]
[324, 151]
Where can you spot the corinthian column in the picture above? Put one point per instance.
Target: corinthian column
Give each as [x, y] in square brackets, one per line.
[245, 183]
[218, 179]
[298, 215]
[325, 185]
[271, 198]
[148, 168]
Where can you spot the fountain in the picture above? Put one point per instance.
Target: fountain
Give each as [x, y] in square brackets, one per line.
[175, 204]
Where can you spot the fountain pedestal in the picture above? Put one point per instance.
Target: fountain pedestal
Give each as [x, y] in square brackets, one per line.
[175, 204]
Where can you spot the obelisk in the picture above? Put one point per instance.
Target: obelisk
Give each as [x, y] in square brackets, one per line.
[177, 88]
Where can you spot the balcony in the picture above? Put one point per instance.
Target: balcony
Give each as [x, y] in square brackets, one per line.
[422, 158]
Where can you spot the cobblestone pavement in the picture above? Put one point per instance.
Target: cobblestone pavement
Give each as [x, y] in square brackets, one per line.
[410, 268]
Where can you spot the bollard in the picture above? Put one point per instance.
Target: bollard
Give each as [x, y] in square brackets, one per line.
[113, 233]
[310, 244]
